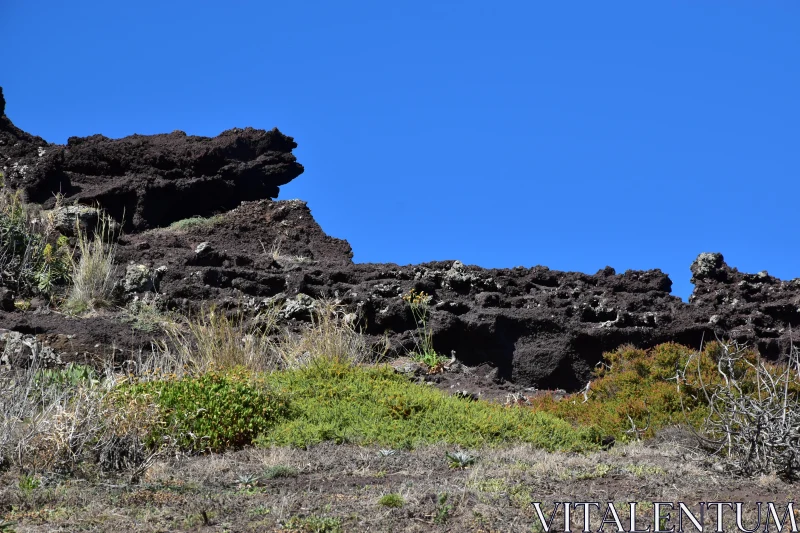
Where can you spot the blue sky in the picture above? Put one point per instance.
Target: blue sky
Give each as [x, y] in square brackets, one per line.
[568, 134]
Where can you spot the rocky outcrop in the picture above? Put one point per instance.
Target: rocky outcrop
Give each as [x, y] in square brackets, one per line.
[755, 308]
[16, 146]
[149, 181]
[537, 326]
[534, 326]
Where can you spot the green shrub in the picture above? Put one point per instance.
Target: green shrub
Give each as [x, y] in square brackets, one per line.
[211, 412]
[391, 500]
[314, 524]
[637, 392]
[374, 405]
[34, 259]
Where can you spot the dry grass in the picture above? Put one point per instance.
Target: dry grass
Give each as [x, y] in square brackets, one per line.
[343, 484]
[92, 273]
[52, 420]
[216, 339]
[331, 336]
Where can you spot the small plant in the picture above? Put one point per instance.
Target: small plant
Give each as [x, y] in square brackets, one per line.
[195, 222]
[391, 500]
[442, 509]
[72, 375]
[419, 302]
[28, 484]
[247, 483]
[49, 383]
[260, 510]
[247, 480]
[279, 471]
[460, 459]
[314, 524]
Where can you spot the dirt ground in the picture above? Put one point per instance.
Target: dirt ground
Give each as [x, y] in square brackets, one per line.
[331, 488]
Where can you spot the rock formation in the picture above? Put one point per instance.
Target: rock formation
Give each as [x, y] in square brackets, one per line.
[537, 327]
[148, 181]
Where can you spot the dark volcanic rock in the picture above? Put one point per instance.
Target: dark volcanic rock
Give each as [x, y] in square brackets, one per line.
[755, 308]
[152, 180]
[534, 326]
[16, 146]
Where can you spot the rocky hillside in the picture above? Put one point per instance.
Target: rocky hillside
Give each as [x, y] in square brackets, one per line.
[537, 327]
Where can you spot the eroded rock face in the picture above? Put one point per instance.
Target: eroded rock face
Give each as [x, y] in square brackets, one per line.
[538, 326]
[535, 326]
[755, 308]
[150, 180]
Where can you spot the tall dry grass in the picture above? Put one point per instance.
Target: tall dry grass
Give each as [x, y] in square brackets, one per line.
[92, 273]
[214, 338]
[51, 421]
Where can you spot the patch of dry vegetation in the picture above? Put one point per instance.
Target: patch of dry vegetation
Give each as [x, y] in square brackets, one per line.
[342, 485]
[92, 273]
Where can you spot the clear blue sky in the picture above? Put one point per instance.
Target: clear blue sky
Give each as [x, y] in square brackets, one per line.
[568, 134]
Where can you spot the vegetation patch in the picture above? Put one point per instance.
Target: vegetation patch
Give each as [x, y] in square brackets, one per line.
[637, 392]
[279, 471]
[314, 524]
[34, 257]
[210, 412]
[195, 222]
[391, 500]
[92, 280]
[330, 400]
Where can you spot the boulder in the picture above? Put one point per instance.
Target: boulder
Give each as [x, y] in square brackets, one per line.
[68, 220]
[21, 351]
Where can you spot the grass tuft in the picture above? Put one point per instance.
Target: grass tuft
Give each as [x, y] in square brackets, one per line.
[195, 222]
[393, 500]
[92, 280]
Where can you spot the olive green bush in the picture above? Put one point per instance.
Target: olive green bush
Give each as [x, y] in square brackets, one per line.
[210, 412]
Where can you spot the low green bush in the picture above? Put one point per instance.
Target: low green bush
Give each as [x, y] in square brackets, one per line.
[391, 500]
[331, 401]
[211, 412]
